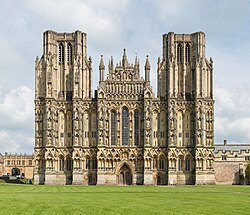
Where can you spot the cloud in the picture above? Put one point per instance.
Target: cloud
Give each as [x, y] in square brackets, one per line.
[17, 120]
[232, 114]
[112, 25]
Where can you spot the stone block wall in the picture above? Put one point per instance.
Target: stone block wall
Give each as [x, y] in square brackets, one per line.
[228, 172]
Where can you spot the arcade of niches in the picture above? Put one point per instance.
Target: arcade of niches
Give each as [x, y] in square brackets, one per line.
[124, 134]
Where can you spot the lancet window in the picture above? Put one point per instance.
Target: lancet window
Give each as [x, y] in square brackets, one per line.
[113, 127]
[125, 126]
[61, 53]
[136, 127]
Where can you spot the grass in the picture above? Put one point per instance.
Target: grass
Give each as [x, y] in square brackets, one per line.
[35, 199]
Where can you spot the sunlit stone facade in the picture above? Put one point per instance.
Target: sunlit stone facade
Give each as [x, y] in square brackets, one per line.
[124, 134]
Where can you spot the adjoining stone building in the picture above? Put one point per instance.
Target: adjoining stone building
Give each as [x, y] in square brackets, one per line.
[124, 134]
[230, 163]
[19, 165]
[1, 164]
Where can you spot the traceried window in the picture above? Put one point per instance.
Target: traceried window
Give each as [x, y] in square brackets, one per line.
[162, 163]
[69, 164]
[87, 163]
[188, 165]
[61, 53]
[125, 126]
[69, 53]
[136, 128]
[94, 164]
[61, 163]
[113, 127]
[180, 163]
[187, 53]
[179, 53]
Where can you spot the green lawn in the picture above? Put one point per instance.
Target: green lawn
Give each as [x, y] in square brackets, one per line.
[35, 199]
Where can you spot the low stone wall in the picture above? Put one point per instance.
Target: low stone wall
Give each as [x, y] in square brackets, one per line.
[228, 173]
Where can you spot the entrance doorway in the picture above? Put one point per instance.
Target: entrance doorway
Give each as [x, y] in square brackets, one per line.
[15, 171]
[125, 176]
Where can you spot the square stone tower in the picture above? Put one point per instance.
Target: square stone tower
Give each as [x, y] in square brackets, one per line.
[63, 80]
[185, 82]
[125, 134]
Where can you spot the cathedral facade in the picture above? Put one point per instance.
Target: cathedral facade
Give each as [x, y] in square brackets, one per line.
[124, 134]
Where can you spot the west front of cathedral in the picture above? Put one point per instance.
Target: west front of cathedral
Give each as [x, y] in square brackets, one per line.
[124, 134]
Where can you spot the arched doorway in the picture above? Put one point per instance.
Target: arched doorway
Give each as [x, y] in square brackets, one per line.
[15, 171]
[125, 176]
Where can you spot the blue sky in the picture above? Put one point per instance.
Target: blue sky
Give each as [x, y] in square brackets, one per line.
[112, 25]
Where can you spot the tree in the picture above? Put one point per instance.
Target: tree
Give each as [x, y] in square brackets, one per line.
[247, 173]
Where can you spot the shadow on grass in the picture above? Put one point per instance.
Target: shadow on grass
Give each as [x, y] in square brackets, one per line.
[16, 181]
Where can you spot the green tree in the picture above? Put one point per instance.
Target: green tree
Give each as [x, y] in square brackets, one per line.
[247, 171]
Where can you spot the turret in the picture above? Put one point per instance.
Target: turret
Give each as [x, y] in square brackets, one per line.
[137, 68]
[147, 70]
[101, 69]
[124, 59]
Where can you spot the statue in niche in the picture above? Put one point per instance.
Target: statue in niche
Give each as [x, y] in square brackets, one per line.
[101, 123]
[124, 76]
[199, 123]
[199, 139]
[171, 123]
[76, 141]
[76, 123]
[147, 139]
[49, 90]
[49, 140]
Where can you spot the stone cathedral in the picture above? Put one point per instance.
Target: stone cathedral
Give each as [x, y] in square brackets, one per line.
[124, 134]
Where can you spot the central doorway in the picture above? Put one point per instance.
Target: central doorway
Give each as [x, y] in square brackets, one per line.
[125, 176]
[15, 171]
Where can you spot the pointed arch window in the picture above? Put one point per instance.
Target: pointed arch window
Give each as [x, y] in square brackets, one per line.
[113, 127]
[180, 164]
[188, 165]
[61, 53]
[69, 164]
[69, 54]
[179, 53]
[61, 164]
[125, 126]
[187, 53]
[136, 128]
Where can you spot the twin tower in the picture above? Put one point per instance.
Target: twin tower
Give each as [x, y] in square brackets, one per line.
[124, 134]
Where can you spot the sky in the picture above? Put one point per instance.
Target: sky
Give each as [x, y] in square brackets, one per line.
[111, 26]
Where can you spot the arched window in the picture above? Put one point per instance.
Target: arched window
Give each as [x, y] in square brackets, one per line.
[61, 129]
[180, 164]
[113, 127]
[69, 54]
[187, 53]
[125, 126]
[94, 163]
[188, 165]
[69, 164]
[136, 128]
[61, 164]
[179, 53]
[162, 163]
[61, 53]
[87, 163]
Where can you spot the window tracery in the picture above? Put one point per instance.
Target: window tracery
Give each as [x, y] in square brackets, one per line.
[125, 133]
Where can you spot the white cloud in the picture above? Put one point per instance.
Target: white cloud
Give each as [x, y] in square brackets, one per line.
[17, 120]
[112, 25]
[232, 114]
